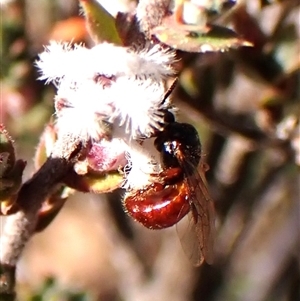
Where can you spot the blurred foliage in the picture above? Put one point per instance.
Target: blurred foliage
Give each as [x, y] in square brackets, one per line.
[51, 291]
[245, 103]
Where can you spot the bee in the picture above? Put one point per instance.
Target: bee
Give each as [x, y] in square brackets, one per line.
[179, 190]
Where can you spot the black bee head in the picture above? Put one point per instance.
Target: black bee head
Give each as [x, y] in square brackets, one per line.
[178, 142]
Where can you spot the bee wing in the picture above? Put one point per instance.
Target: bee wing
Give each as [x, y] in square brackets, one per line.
[202, 213]
[188, 236]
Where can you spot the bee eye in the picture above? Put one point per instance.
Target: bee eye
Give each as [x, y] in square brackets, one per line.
[169, 117]
[168, 147]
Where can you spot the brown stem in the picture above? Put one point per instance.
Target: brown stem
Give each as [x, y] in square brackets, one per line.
[20, 227]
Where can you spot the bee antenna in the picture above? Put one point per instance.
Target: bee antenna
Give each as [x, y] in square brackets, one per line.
[170, 90]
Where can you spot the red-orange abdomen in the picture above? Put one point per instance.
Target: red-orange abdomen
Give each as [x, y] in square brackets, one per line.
[159, 206]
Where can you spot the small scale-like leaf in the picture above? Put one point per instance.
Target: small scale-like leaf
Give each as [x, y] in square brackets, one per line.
[9, 206]
[45, 145]
[193, 38]
[93, 182]
[51, 207]
[10, 184]
[7, 152]
[100, 24]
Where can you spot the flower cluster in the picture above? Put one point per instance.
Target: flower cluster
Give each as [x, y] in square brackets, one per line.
[107, 83]
[110, 91]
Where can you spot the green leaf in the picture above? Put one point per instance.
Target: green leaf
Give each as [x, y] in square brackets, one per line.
[101, 25]
[193, 38]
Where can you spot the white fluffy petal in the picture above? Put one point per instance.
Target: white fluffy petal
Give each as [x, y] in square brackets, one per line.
[138, 104]
[84, 110]
[143, 162]
[154, 62]
[107, 81]
[76, 62]
[60, 60]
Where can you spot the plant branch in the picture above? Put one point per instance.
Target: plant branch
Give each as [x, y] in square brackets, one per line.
[20, 227]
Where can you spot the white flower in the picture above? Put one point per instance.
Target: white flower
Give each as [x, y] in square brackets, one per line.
[153, 62]
[139, 110]
[107, 83]
[64, 61]
[143, 163]
[81, 111]
[113, 85]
